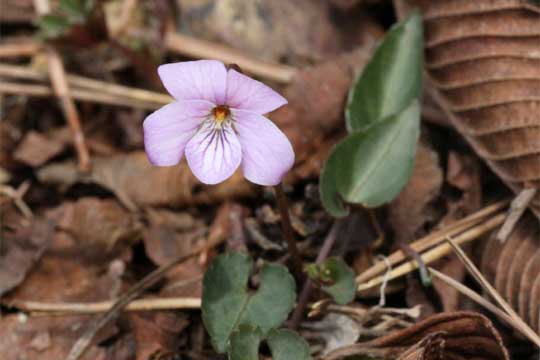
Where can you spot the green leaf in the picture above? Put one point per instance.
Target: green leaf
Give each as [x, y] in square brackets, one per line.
[287, 345]
[330, 198]
[226, 302]
[269, 306]
[225, 296]
[392, 78]
[245, 343]
[75, 11]
[342, 276]
[375, 165]
[52, 26]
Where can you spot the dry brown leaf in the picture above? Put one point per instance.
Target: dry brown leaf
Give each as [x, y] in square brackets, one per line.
[36, 149]
[43, 338]
[94, 229]
[8, 141]
[23, 244]
[430, 347]
[448, 295]
[456, 336]
[484, 62]
[60, 278]
[137, 183]
[157, 334]
[413, 208]
[314, 114]
[463, 172]
[514, 269]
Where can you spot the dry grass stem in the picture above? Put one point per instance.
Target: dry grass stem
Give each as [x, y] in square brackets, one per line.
[473, 270]
[83, 88]
[471, 294]
[433, 239]
[103, 306]
[435, 253]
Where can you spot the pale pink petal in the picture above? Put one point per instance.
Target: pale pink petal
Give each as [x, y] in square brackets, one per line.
[244, 93]
[167, 130]
[195, 80]
[267, 154]
[213, 155]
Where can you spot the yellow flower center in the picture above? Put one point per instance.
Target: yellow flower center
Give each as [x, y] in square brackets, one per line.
[221, 113]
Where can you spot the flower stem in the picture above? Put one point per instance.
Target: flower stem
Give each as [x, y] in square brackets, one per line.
[288, 231]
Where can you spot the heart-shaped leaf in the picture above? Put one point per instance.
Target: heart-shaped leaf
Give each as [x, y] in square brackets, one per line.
[287, 345]
[343, 286]
[245, 343]
[392, 78]
[227, 304]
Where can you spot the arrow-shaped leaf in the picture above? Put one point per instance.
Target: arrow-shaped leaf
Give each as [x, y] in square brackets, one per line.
[392, 78]
[375, 165]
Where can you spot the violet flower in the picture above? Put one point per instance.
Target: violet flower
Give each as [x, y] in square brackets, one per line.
[217, 120]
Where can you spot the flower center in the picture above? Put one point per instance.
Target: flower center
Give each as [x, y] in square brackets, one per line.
[221, 113]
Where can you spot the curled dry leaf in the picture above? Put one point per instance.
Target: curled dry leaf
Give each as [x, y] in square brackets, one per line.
[483, 59]
[457, 335]
[514, 269]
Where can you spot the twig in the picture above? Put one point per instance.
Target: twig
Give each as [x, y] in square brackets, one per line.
[437, 252]
[103, 306]
[61, 90]
[197, 48]
[82, 343]
[16, 195]
[473, 270]
[78, 94]
[60, 87]
[288, 231]
[118, 91]
[517, 208]
[433, 239]
[307, 289]
[12, 48]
